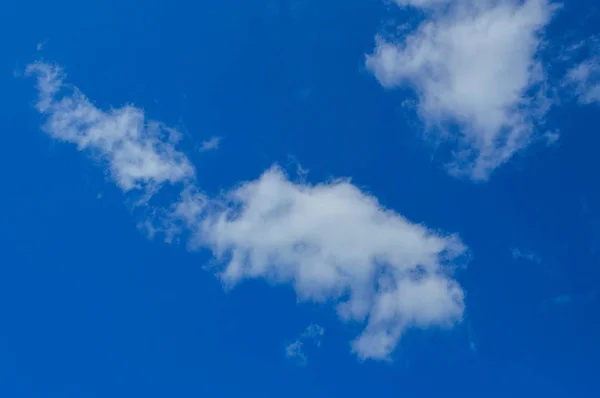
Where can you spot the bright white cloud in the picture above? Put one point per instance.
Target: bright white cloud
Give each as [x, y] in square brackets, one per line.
[331, 241]
[334, 243]
[139, 154]
[475, 70]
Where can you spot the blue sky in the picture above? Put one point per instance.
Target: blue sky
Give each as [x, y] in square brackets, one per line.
[291, 198]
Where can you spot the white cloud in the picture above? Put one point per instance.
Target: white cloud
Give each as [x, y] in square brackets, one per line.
[331, 241]
[551, 137]
[334, 243]
[139, 154]
[312, 334]
[210, 144]
[473, 66]
[40, 46]
[295, 351]
[584, 78]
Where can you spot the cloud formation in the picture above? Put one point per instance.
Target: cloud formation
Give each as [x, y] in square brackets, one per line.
[584, 79]
[312, 335]
[333, 242]
[210, 144]
[475, 69]
[330, 241]
[138, 153]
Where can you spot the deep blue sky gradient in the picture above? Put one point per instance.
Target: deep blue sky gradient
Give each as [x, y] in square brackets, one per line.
[89, 307]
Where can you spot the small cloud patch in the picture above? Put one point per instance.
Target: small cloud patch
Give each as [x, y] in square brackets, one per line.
[526, 255]
[311, 336]
[210, 144]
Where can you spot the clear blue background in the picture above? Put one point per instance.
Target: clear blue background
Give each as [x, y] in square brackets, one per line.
[90, 308]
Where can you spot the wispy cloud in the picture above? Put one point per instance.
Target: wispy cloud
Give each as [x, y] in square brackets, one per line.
[584, 77]
[475, 69]
[314, 332]
[551, 137]
[40, 46]
[567, 300]
[331, 242]
[527, 255]
[312, 335]
[295, 351]
[210, 144]
[139, 154]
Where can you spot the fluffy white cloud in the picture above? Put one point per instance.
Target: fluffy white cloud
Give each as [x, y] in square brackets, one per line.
[331, 241]
[475, 70]
[140, 154]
